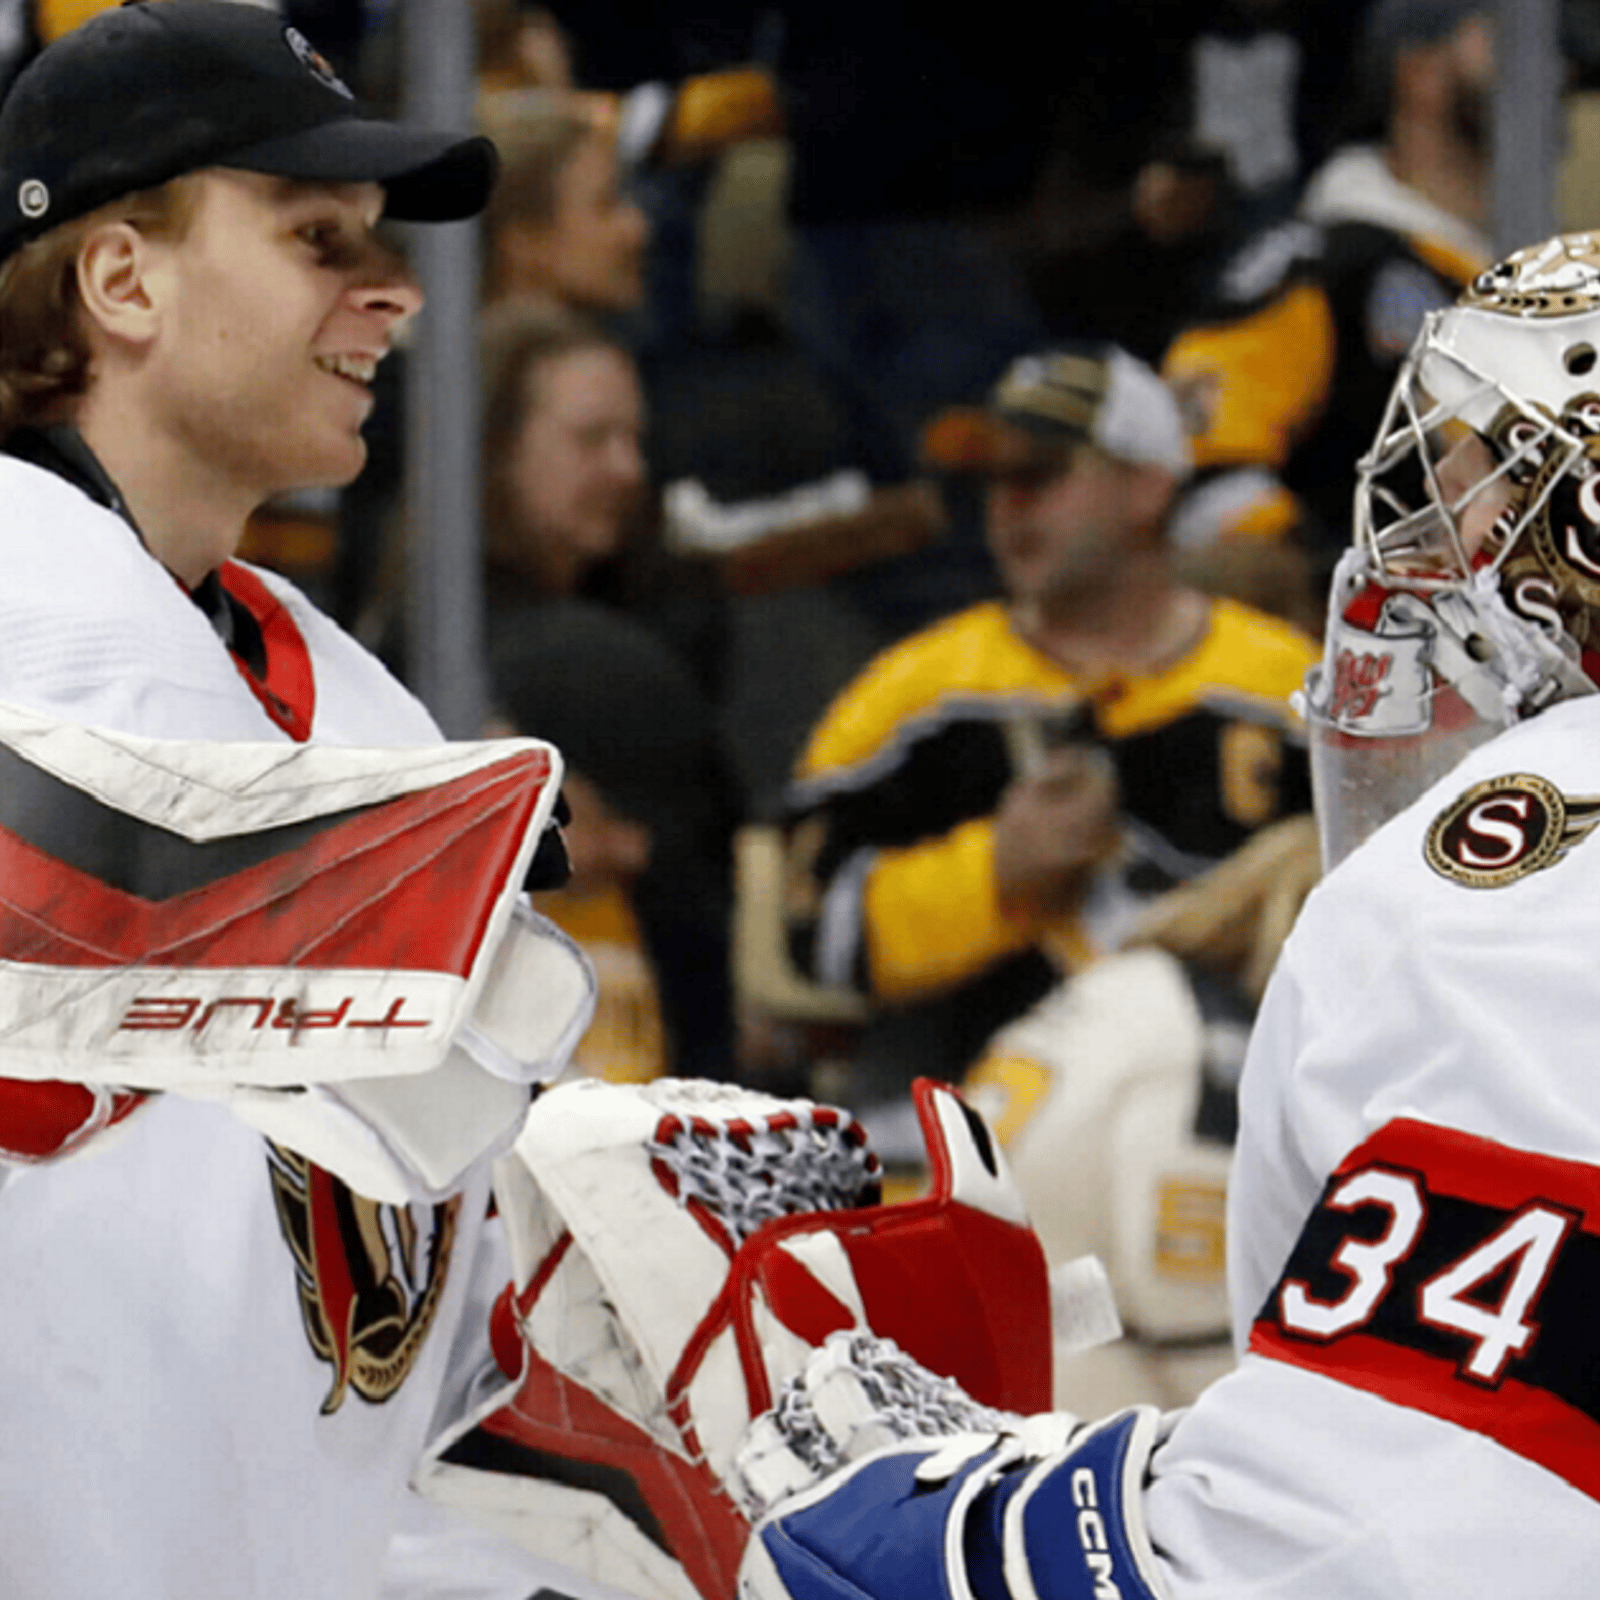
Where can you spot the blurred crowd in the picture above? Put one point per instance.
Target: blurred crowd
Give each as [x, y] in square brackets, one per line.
[913, 459]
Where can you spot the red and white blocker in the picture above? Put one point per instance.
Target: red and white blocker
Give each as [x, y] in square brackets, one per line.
[681, 1251]
[328, 938]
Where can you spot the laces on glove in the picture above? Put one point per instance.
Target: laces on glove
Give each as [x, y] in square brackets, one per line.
[741, 1173]
[859, 1393]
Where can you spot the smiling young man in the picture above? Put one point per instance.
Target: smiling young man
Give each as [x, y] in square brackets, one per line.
[234, 358]
[252, 911]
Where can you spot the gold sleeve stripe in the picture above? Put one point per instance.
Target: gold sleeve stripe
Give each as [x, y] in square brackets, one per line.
[932, 915]
[1253, 386]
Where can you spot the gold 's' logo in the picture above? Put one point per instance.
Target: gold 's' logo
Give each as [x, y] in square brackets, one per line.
[370, 1276]
[1506, 828]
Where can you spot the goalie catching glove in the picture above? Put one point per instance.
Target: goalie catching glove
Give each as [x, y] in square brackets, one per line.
[683, 1250]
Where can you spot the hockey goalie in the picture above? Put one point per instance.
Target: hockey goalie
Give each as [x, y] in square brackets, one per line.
[267, 1010]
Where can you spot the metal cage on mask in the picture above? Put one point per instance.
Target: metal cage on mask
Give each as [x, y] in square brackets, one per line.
[1470, 597]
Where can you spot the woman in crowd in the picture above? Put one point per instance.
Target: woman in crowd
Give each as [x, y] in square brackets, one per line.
[561, 231]
[586, 611]
[566, 508]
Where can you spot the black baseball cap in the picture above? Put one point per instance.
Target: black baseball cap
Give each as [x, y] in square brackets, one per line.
[146, 92]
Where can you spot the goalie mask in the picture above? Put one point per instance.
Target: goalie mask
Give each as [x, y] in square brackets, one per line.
[1470, 597]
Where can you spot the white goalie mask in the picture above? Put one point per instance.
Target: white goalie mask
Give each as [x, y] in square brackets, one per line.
[1470, 597]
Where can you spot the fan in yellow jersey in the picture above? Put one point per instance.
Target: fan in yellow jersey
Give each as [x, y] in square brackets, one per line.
[1011, 793]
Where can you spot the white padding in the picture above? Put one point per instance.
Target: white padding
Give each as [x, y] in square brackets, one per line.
[972, 1182]
[537, 999]
[204, 789]
[376, 1074]
[719, 1402]
[587, 1145]
[1106, 1156]
[823, 1256]
[578, 1528]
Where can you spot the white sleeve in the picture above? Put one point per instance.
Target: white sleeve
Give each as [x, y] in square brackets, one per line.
[1280, 1483]
[1415, 1217]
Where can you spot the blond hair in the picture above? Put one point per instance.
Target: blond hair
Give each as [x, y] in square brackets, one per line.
[44, 345]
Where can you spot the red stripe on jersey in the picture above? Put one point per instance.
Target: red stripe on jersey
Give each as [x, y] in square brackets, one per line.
[1446, 1268]
[289, 693]
[1480, 1170]
[1534, 1424]
[409, 884]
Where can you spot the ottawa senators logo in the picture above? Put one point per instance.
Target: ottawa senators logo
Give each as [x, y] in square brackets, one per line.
[1505, 829]
[370, 1275]
[317, 64]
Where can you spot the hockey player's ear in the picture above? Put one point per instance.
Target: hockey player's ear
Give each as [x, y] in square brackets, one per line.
[114, 265]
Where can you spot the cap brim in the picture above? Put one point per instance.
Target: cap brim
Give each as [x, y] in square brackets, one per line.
[968, 439]
[429, 177]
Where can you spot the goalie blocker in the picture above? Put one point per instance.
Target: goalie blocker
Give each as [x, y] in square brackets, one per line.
[330, 939]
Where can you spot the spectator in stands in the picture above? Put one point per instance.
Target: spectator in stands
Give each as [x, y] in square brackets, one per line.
[653, 813]
[917, 137]
[1265, 83]
[1147, 279]
[564, 470]
[998, 796]
[562, 232]
[1290, 370]
[520, 46]
[570, 554]
[566, 505]
[1016, 793]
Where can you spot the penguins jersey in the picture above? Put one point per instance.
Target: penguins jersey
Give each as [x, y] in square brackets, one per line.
[1290, 369]
[1414, 1251]
[890, 840]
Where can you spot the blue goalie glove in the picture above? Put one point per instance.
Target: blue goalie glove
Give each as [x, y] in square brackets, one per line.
[1050, 1511]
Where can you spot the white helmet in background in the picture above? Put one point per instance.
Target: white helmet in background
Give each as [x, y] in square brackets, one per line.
[1470, 597]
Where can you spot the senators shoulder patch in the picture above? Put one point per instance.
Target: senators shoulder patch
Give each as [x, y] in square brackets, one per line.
[370, 1276]
[1456, 1276]
[1506, 828]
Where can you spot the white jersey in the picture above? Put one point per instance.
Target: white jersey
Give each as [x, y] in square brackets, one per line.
[218, 1364]
[94, 629]
[1412, 1224]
